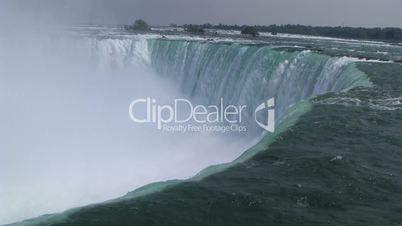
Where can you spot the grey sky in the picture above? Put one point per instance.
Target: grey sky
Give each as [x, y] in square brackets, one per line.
[368, 13]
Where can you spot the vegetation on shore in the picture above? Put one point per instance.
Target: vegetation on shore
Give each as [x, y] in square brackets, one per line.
[248, 30]
[388, 34]
[139, 25]
[194, 29]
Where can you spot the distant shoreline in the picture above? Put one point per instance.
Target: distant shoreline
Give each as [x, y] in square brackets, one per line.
[388, 34]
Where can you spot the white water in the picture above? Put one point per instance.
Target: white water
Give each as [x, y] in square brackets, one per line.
[66, 136]
[67, 139]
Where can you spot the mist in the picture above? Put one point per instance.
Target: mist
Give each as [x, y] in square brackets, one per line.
[66, 136]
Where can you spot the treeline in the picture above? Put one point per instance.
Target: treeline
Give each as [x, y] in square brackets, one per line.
[391, 34]
[138, 25]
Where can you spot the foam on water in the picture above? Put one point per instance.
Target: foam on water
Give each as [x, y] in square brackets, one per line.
[70, 104]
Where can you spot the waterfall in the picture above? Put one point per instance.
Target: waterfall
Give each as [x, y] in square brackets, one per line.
[238, 73]
[70, 115]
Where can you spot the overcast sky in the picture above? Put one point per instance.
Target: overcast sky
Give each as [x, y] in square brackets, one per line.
[367, 13]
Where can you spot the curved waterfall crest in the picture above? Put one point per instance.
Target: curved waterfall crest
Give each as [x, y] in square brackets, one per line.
[238, 73]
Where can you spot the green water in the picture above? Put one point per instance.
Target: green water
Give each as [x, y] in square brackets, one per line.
[335, 160]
